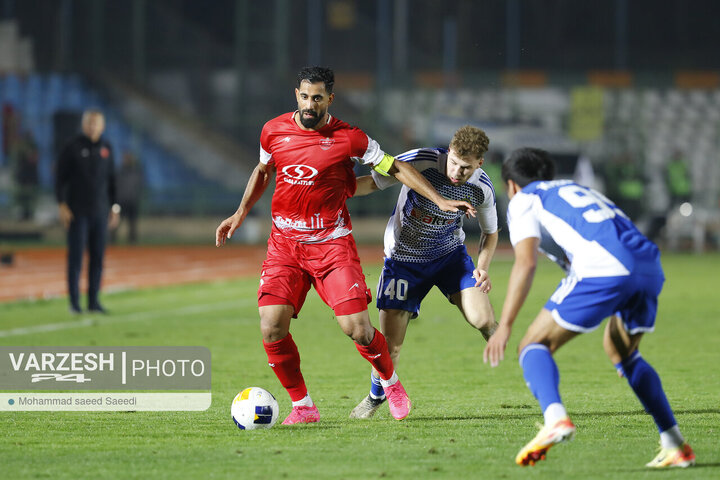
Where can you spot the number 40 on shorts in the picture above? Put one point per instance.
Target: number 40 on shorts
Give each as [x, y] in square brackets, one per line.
[396, 289]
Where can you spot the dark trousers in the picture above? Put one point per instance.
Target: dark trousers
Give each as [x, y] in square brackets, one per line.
[86, 231]
[130, 214]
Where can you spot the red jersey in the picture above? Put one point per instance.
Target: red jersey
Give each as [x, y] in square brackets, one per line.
[314, 175]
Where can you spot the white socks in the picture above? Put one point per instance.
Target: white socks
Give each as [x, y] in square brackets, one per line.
[671, 438]
[305, 402]
[554, 412]
[391, 381]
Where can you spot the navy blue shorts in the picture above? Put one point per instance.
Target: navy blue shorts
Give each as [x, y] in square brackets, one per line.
[403, 285]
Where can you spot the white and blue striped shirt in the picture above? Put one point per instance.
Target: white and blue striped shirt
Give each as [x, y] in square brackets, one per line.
[418, 231]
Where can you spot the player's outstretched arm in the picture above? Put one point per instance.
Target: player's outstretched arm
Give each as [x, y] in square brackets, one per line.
[256, 186]
[365, 185]
[406, 174]
[521, 277]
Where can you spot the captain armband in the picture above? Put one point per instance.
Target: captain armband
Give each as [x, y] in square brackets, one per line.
[383, 167]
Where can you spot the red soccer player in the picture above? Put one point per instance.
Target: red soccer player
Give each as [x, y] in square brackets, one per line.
[311, 243]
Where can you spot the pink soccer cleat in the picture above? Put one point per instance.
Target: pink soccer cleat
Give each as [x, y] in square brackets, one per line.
[302, 415]
[398, 400]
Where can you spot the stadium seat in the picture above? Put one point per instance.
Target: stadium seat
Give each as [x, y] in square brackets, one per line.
[13, 91]
[39, 97]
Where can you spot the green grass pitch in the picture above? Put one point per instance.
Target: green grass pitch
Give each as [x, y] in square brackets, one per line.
[468, 420]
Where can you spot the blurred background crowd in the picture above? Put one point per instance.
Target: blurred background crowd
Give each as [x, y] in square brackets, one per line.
[624, 93]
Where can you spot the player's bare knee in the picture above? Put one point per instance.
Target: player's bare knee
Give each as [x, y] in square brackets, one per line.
[533, 336]
[484, 324]
[272, 329]
[275, 322]
[272, 332]
[361, 337]
[551, 344]
[360, 333]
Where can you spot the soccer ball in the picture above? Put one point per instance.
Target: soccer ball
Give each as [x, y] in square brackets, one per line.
[254, 408]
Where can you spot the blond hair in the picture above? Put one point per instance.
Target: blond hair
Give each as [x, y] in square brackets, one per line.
[470, 141]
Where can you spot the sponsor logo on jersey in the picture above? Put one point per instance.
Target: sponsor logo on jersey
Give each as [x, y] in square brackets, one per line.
[326, 143]
[299, 174]
[429, 218]
[299, 224]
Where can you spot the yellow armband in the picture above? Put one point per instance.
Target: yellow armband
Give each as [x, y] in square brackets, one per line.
[384, 165]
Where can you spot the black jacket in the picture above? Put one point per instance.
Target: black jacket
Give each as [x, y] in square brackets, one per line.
[85, 176]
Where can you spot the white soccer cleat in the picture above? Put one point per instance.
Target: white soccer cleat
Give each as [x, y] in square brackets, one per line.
[367, 407]
[682, 456]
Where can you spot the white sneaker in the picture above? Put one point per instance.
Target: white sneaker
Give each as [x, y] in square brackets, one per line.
[367, 407]
[682, 456]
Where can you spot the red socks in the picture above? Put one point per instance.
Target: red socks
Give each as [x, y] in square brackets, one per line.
[378, 355]
[284, 359]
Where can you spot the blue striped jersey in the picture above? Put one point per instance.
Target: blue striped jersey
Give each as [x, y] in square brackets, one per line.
[418, 231]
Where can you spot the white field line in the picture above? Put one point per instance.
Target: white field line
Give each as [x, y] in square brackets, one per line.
[95, 320]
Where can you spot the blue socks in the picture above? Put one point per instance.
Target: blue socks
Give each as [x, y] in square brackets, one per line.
[646, 384]
[543, 380]
[541, 374]
[376, 389]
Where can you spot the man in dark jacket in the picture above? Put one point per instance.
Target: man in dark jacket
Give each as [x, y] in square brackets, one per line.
[85, 191]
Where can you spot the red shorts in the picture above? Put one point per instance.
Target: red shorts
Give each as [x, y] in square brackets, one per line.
[332, 267]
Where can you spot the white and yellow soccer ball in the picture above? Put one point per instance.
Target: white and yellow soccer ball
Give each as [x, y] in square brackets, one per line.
[254, 408]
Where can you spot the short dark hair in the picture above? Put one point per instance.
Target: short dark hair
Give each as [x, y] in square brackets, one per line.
[527, 165]
[317, 74]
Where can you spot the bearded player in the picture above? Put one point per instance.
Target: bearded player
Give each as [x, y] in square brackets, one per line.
[424, 245]
[312, 155]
